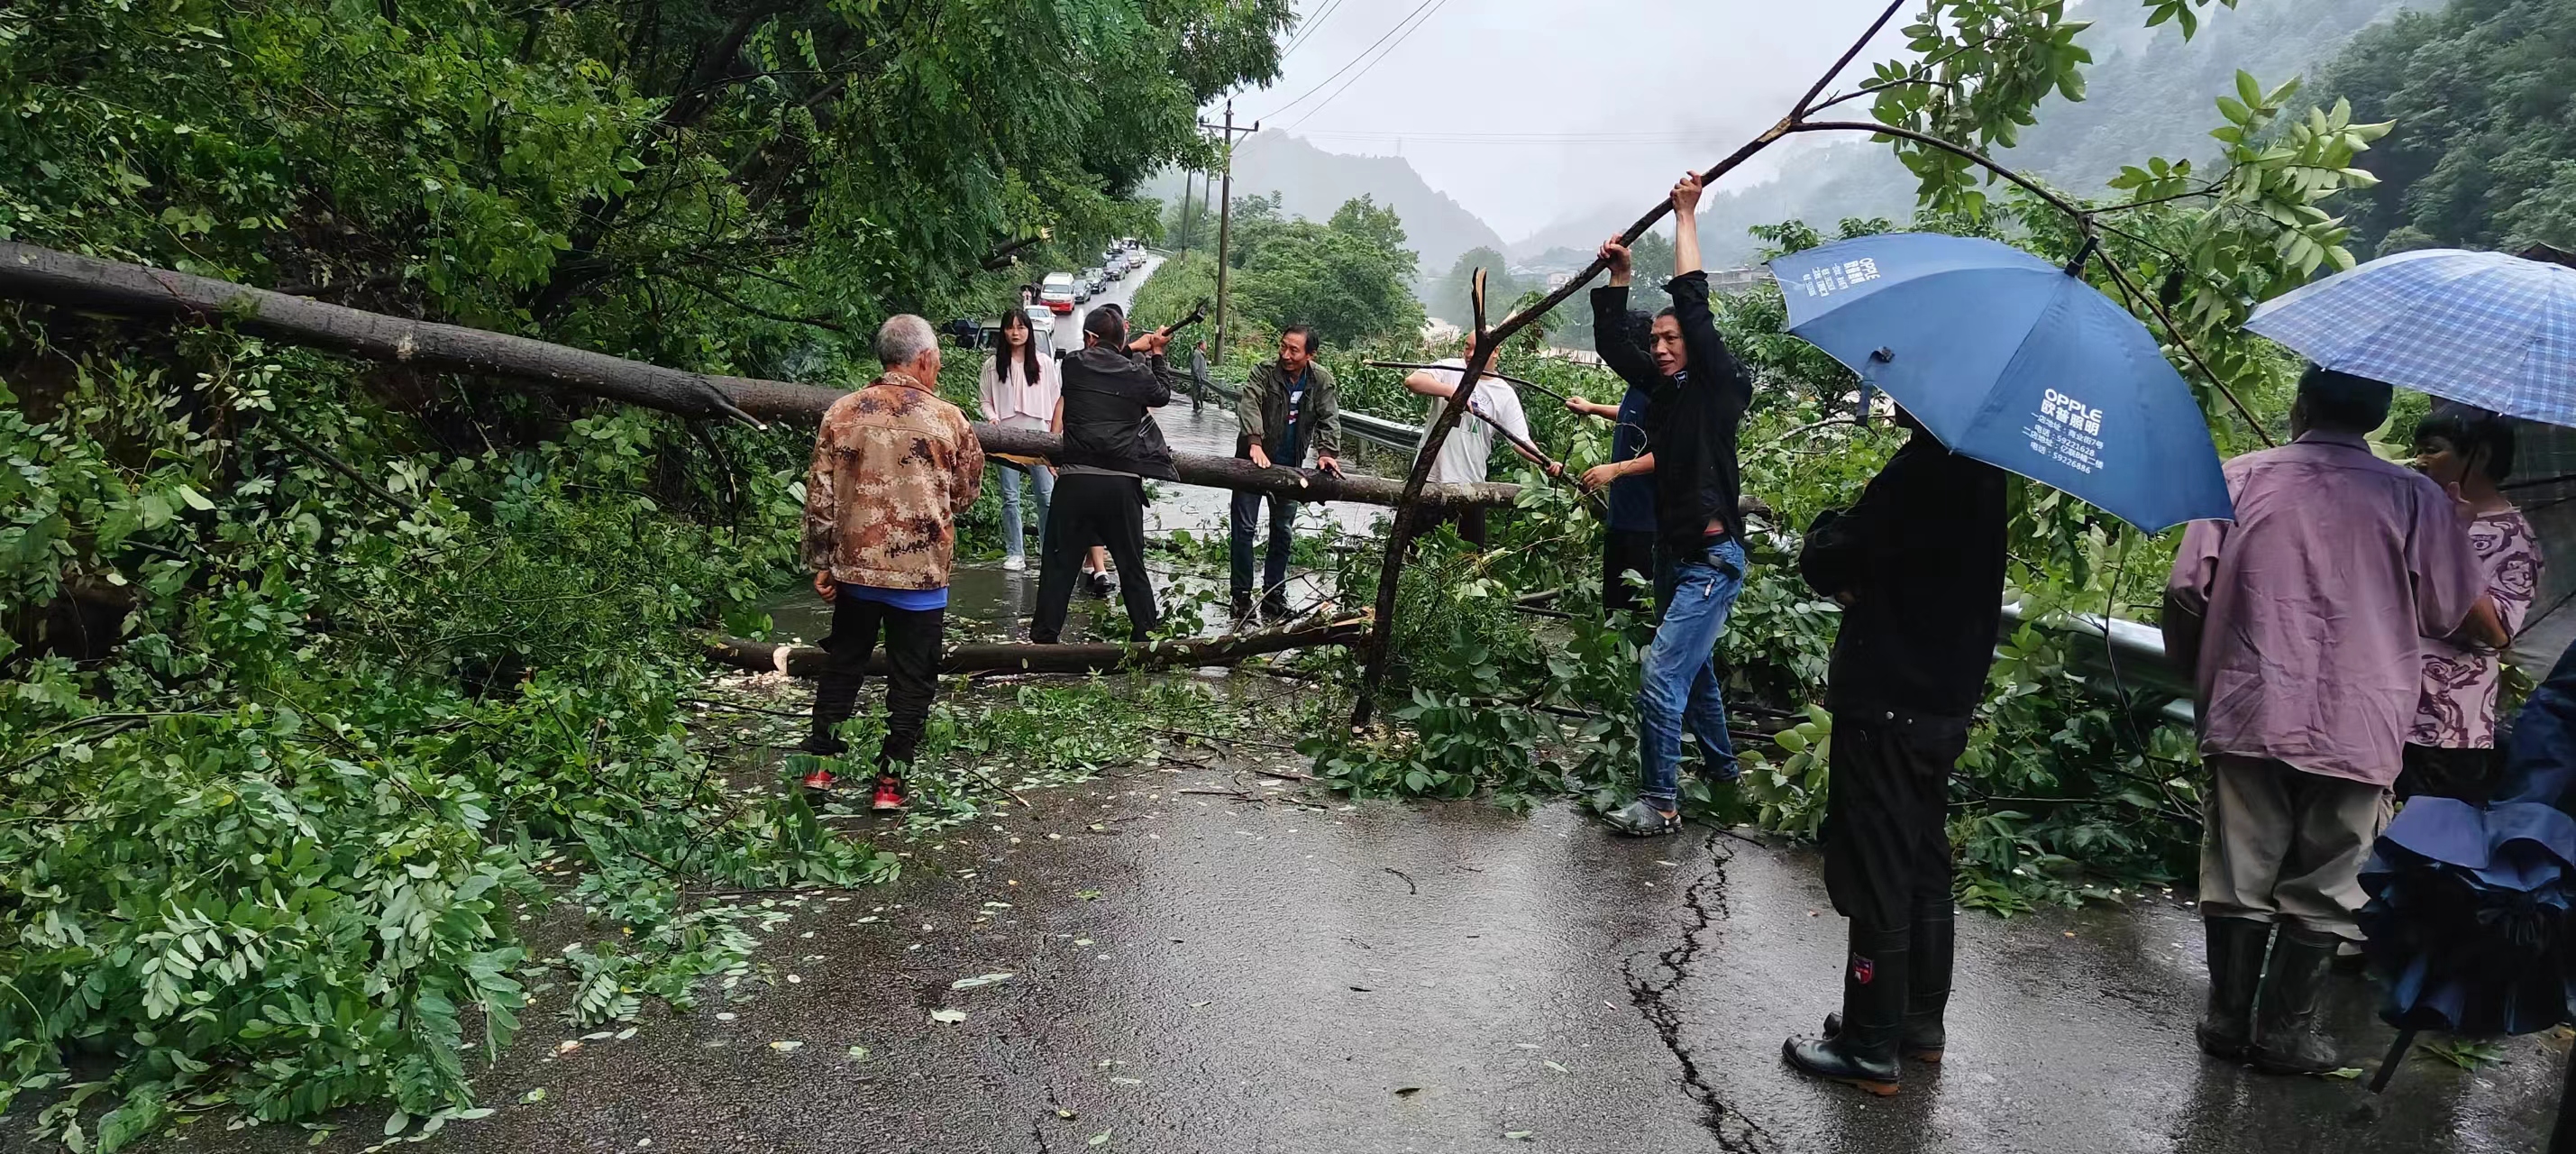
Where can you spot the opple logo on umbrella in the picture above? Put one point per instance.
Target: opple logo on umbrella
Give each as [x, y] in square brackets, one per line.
[2057, 406]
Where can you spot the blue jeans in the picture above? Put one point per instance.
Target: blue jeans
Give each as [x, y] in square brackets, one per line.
[1680, 684]
[1008, 475]
[1274, 564]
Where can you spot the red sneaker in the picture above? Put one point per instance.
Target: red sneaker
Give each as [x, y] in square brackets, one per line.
[889, 795]
[819, 781]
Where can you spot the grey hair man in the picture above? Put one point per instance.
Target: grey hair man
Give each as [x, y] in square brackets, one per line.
[893, 466]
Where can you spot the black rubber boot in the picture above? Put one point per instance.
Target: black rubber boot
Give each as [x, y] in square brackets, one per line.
[2285, 1016]
[1863, 1052]
[1933, 941]
[2235, 948]
[1927, 989]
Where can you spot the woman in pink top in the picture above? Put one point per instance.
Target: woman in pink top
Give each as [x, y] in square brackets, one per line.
[1019, 390]
[2450, 750]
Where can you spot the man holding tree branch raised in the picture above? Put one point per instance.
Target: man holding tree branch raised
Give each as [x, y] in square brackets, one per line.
[1698, 393]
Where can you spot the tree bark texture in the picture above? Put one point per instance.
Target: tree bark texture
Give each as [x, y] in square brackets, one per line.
[806, 660]
[67, 280]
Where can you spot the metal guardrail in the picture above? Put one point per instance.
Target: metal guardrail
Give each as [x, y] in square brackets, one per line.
[2118, 655]
[1392, 434]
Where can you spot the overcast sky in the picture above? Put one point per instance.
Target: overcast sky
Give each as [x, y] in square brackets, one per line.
[1602, 101]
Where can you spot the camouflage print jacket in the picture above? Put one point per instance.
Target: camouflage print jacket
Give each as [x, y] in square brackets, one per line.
[893, 467]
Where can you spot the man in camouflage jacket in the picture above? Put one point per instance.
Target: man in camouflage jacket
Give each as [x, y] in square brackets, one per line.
[893, 466]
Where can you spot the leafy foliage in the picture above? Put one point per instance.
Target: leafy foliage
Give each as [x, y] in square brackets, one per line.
[321, 680]
[2485, 158]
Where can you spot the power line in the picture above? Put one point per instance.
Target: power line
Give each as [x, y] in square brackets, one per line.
[1441, 137]
[1313, 23]
[1354, 62]
[1435, 6]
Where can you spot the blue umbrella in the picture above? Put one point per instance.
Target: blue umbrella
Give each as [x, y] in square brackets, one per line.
[2013, 361]
[2491, 330]
[2472, 914]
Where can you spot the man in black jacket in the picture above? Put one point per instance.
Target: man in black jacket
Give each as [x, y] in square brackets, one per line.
[1110, 445]
[1918, 566]
[1698, 393]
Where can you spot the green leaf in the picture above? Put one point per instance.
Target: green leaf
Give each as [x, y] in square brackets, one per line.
[2234, 110]
[2248, 90]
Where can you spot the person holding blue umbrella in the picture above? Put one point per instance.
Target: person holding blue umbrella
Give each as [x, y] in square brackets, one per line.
[2000, 363]
[1918, 566]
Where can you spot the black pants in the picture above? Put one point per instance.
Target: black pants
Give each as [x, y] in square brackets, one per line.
[1624, 551]
[1247, 525]
[1470, 522]
[1887, 849]
[912, 680]
[1094, 509]
[2467, 774]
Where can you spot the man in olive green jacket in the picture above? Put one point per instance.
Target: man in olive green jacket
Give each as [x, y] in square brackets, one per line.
[1287, 407]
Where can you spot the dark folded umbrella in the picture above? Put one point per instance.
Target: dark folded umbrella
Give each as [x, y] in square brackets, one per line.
[2471, 922]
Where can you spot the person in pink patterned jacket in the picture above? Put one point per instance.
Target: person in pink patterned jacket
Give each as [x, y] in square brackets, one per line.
[2450, 750]
[893, 466]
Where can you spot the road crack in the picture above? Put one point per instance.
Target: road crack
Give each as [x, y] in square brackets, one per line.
[1652, 989]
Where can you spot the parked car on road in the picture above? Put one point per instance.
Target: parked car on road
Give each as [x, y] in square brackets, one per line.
[1057, 291]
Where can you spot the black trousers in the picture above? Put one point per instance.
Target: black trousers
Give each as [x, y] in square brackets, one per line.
[1887, 847]
[1094, 509]
[2467, 774]
[912, 639]
[1470, 523]
[1625, 551]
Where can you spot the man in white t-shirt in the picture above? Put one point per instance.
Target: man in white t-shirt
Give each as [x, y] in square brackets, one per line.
[1468, 447]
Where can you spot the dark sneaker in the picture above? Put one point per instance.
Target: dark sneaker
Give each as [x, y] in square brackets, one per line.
[889, 796]
[1096, 584]
[1275, 610]
[1642, 819]
[1243, 606]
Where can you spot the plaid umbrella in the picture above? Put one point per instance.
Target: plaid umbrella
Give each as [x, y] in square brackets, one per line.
[2483, 328]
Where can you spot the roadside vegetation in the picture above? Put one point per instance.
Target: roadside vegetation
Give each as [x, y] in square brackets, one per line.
[355, 717]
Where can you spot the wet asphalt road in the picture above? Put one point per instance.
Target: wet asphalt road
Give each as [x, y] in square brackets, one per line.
[1201, 972]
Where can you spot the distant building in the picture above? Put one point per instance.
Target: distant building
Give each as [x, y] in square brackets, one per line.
[1736, 280]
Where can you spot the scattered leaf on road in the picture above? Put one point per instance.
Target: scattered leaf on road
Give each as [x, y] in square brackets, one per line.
[978, 980]
[626, 1033]
[1517, 1135]
[533, 1096]
[787, 1047]
[949, 1016]
[1407, 1091]
[1101, 1138]
[858, 1053]
[1553, 1066]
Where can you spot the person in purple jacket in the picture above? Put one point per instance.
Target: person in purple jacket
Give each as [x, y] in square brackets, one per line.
[2304, 622]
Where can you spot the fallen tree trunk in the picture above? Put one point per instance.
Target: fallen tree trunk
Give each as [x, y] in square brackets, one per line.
[806, 660]
[69, 280]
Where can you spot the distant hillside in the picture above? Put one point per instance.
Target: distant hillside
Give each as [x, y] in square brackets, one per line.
[2148, 93]
[1312, 183]
[1823, 184]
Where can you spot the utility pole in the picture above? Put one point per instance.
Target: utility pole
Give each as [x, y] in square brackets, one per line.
[1182, 226]
[1225, 220]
